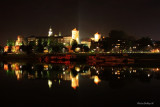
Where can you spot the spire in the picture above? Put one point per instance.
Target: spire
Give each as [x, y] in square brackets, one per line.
[50, 33]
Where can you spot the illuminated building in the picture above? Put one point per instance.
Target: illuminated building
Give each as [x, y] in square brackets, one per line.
[31, 39]
[67, 39]
[97, 36]
[86, 43]
[5, 67]
[155, 51]
[92, 39]
[59, 39]
[75, 35]
[6, 48]
[34, 40]
[19, 41]
[14, 46]
[50, 33]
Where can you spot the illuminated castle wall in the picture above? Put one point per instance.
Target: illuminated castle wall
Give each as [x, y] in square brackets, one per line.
[75, 35]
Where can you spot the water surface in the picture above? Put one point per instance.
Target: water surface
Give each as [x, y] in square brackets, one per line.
[27, 84]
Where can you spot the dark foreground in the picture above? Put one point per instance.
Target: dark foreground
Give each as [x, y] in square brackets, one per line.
[79, 85]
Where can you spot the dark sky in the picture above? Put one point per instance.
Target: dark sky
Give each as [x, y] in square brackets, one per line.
[34, 17]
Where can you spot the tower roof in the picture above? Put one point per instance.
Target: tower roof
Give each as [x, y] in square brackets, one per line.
[75, 29]
[97, 33]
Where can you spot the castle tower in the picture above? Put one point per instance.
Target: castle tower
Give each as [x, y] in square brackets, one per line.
[97, 36]
[75, 35]
[19, 41]
[50, 33]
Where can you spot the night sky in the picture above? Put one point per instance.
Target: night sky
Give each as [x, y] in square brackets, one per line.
[34, 17]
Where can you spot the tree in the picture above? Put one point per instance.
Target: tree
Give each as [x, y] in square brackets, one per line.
[1, 49]
[54, 46]
[39, 47]
[106, 44]
[74, 44]
[121, 40]
[85, 48]
[26, 49]
[144, 43]
[10, 42]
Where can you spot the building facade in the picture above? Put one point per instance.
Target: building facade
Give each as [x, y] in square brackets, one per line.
[75, 35]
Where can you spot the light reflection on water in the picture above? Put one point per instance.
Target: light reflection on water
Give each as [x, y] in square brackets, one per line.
[78, 84]
[61, 73]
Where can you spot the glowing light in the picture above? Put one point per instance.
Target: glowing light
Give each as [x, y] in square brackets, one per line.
[6, 48]
[49, 83]
[63, 69]
[77, 69]
[18, 43]
[97, 36]
[59, 81]
[155, 51]
[5, 67]
[46, 51]
[96, 80]
[77, 49]
[16, 67]
[97, 72]
[149, 75]
[134, 71]
[74, 82]
[134, 47]
[50, 33]
[18, 74]
[45, 67]
[20, 66]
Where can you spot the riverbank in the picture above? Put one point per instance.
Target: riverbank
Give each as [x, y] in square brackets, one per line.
[81, 57]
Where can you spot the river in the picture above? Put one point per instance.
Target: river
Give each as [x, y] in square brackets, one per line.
[79, 85]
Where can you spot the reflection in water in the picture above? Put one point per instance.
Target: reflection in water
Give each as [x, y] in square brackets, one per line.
[62, 73]
[49, 83]
[96, 79]
[75, 81]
